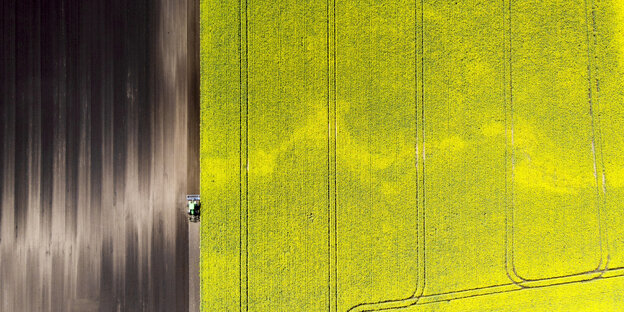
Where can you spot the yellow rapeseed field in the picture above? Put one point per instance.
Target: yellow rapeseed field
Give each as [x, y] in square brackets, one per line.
[432, 155]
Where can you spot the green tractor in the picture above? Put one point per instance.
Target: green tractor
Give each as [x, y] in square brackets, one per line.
[194, 207]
